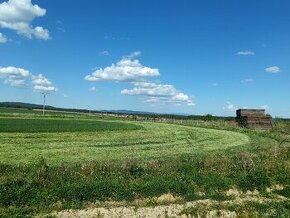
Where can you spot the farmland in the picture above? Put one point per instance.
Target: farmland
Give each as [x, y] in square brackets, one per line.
[63, 161]
[61, 125]
[68, 140]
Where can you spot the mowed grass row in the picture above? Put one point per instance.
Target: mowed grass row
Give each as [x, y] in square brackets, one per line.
[74, 141]
[15, 125]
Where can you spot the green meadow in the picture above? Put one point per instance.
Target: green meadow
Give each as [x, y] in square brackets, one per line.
[68, 160]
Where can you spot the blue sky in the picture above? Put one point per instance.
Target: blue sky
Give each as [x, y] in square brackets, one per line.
[194, 57]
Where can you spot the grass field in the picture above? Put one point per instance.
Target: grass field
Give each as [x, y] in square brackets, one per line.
[68, 140]
[64, 161]
[13, 125]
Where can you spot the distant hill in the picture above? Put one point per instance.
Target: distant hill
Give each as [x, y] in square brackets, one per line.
[38, 106]
[24, 105]
[123, 112]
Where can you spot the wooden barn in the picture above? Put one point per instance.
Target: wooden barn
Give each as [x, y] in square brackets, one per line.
[254, 118]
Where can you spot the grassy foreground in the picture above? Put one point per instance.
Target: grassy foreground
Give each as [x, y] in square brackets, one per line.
[53, 171]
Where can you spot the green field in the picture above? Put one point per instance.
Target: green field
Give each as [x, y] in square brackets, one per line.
[69, 140]
[63, 161]
[13, 125]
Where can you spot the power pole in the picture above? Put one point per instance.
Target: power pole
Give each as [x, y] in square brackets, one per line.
[43, 108]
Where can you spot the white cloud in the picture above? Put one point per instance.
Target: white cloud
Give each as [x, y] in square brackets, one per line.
[3, 38]
[15, 82]
[44, 89]
[249, 80]
[230, 106]
[14, 76]
[134, 55]
[40, 80]
[18, 14]
[158, 93]
[130, 70]
[274, 69]
[13, 71]
[42, 84]
[245, 53]
[17, 77]
[125, 70]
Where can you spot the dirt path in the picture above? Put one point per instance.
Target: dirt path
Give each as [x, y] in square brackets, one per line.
[167, 206]
[171, 210]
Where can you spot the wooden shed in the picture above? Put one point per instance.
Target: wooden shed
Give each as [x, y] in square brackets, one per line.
[254, 118]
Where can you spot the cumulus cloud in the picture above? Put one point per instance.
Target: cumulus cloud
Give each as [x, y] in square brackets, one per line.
[14, 76]
[129, 70]
[3, 38]
[18, 15]
[42, 84]
[18, 77]
[249, 80]
[230, 106]
[125, 70]
[245, 53]
[274, 69]
[158, 93]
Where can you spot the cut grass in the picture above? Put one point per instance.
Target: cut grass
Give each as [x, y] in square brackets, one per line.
[74, 141]
[61, 125]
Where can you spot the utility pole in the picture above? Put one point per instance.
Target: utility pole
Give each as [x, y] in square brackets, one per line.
[43, 108]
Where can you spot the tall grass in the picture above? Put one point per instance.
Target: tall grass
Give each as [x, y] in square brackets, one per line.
[41, 186]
